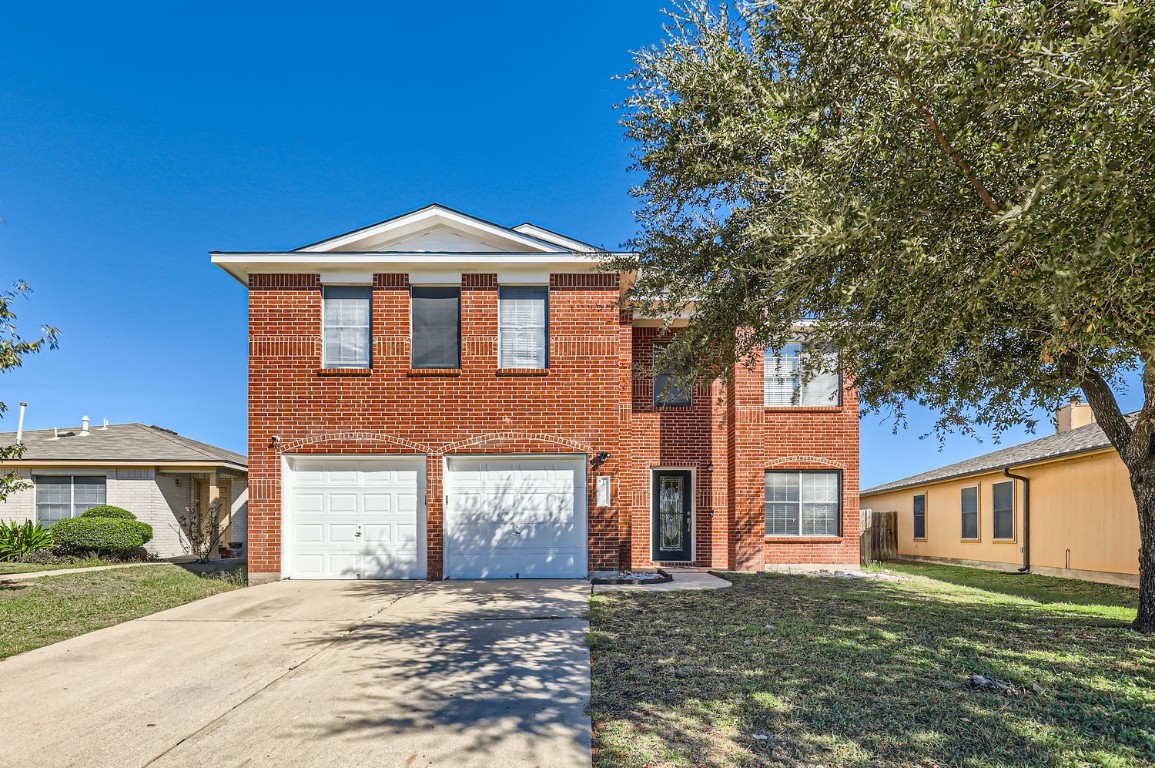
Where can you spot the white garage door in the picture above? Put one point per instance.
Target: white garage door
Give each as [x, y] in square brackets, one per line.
[515, 517]
[354, 518]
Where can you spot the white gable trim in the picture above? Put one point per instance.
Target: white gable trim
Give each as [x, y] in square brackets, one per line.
[541, 233]
[412, 224]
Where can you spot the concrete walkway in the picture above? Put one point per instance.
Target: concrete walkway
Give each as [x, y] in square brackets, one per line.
[318, 674]
[682, 579]
[66, 571]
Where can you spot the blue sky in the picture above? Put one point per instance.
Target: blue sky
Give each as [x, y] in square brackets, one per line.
[135, 138]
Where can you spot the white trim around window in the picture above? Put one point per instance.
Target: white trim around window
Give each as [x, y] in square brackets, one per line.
[804, 503]
[60, 497]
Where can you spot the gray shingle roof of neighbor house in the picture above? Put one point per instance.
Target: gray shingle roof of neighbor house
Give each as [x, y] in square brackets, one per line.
[1081, 440]
[120, 442]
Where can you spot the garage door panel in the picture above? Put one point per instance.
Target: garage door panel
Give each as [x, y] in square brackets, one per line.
[309, 502]
[309, 533]
[342, 503]
[515, 516]
[377, 503]
[356, 518]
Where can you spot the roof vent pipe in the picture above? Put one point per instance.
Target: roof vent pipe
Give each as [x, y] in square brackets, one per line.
[105, 424]
[84, 425]
[20, 424]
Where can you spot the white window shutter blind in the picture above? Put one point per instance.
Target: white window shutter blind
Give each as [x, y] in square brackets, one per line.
[781, 375]
[522, 326]
[347, 331]
[824, 388]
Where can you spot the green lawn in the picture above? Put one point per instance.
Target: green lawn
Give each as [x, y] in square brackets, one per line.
[36, 612]
[86, 562]
[841, 672]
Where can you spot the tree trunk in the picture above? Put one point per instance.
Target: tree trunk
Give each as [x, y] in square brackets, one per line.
[1143, 486]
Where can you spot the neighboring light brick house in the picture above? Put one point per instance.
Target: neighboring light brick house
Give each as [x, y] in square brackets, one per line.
[152, 472]
[439, 396]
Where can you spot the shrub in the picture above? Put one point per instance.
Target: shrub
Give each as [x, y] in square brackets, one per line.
[110, 512]
[104, 536]
[19, 539]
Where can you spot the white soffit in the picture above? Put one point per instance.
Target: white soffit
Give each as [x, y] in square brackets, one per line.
[523, 278]
[346, 278]
[435, 278]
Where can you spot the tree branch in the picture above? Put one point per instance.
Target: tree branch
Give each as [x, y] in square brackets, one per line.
[1103, 403]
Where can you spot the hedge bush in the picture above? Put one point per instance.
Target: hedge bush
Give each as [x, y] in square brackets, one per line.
[110, 512]
[104, 536]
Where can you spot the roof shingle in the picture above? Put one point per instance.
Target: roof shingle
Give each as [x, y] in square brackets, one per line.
[119, 442]
[1081, 440]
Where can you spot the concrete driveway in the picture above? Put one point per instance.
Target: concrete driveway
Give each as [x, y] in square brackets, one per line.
[317, 674]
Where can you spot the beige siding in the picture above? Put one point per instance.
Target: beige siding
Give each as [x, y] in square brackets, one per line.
[21, 505]
[1081, 506]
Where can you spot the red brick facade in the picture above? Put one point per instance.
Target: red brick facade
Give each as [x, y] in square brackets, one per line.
[589, 401]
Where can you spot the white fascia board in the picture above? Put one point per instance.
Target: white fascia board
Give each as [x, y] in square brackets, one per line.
[241, 265]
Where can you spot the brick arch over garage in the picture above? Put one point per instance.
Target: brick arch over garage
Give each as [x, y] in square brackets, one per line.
[528, 442]
[351, 442]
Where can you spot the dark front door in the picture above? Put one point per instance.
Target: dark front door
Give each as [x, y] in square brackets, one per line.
[670, 517]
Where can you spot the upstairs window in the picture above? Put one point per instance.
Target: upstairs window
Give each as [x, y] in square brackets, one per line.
[970, 513]
[803, 503]
[920, 516]
[784, 385]
[523, 326]
[668, 390]
[436, 326]
[59, 498]
[346, 318]
[1003, 510]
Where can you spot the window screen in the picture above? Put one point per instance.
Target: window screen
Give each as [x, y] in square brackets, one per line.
[668, 390]
[803, 504]
[436, 332]
[920, 516]
[523, 327]
[59, 498]
[970, 513]
[347, 311]
[1003, 509]
[783, 377]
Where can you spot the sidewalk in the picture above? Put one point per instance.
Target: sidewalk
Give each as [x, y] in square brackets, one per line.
[682, 579]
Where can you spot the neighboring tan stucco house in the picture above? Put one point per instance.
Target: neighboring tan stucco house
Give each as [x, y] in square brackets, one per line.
[438, 396]
[152, 472]
[1081, 522]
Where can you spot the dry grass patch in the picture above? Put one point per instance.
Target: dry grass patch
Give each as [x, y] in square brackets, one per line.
[37, 612]
[795, 670]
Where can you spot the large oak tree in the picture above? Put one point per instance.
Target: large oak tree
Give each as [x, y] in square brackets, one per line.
[959, 194]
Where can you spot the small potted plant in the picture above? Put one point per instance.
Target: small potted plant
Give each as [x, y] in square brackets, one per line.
[236, 547]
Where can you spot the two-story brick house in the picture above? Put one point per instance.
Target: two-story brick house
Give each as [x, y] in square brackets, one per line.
[437, 396]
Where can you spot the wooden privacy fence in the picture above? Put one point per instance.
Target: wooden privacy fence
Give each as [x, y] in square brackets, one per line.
[879, 540]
